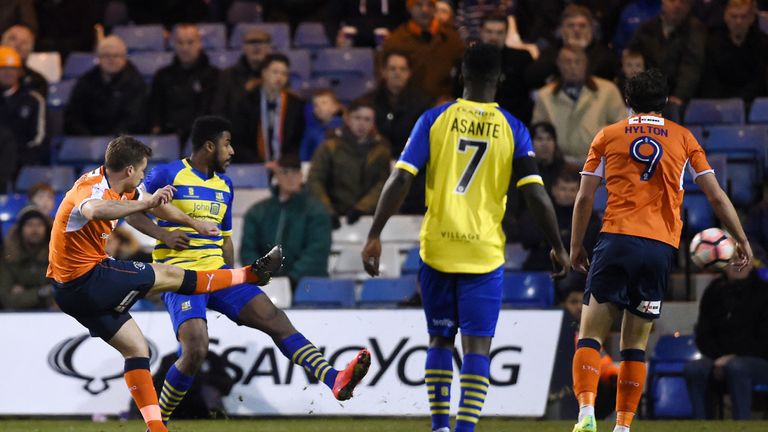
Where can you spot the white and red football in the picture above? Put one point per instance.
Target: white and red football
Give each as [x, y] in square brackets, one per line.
[712, 249]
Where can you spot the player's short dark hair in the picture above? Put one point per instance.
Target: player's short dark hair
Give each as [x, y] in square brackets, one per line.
[275, 57]
[397, 53]
[208, 128]
[482, 62]
[647, 91]
[362, 102]
[125, 151]
[496, 17]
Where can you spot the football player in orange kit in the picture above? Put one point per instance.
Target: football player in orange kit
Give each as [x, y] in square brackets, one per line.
[98, 291]
[642, 160]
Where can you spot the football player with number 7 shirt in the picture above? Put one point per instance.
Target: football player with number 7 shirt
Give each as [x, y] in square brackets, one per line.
[472, 152]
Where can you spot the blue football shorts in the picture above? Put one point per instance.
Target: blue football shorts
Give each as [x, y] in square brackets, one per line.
[457, 301]
[630, 272]
[229, 301]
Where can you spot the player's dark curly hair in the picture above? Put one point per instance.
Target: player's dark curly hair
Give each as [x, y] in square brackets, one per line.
[482, 62]
[647, 91]
[208, 128]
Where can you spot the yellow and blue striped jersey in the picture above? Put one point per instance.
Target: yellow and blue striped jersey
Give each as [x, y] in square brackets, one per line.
[468, 149]
[202, 197]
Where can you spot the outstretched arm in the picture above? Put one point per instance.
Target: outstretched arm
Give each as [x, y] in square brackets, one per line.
[392, 197]
[541, 207]
[171, 213]
[98, 209]
[725, 212]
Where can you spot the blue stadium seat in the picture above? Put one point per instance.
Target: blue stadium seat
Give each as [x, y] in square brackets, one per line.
[60, 178]
[77, 64]
[141, 37]
[714, 111]
[322, 292]
[76, 150]
[301, 68]
[352, 87]
[214, 36]
[224, 59]
[248, 175]
[311, 35]
[699, 212]
[528, 289]
[411, 263]
[759, 111]
[244, 12]
[698, 133]
[667, 392]
[745, 149]
[387, 292]
[10, 205]
[718, 162]
[670, 395]
[340, 63]
[165, 148]
[148, 63]
[752, 137]
[280, 32]
[58, 93]
[346, 89]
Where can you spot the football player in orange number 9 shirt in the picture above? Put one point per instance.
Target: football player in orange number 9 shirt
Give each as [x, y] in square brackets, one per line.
[642, 160]
[98, 291]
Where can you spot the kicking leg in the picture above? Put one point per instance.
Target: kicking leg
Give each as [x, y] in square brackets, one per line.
[261, 314]
[632, 371]
[438, 376]
[596, 321]
[193, 335]
[475, 380]
[170, 278]
[130, 342]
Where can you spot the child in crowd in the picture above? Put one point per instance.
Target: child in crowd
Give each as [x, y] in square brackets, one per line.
[327, 111]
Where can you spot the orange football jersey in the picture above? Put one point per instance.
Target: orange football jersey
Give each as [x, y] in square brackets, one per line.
[78, 244]
[642, 160]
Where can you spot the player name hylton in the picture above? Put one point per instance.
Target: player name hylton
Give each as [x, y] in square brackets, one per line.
[644, 129]
[476, 128]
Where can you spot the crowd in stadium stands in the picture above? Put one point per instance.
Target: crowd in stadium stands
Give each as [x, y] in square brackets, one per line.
[564, 67]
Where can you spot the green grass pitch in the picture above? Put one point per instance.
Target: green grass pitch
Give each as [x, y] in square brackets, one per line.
[366, 425]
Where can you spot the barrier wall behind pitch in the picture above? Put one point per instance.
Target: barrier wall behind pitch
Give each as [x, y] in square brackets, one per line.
[54, 368]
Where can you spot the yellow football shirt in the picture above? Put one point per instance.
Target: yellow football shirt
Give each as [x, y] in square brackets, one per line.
[468, 149]
[202, 197]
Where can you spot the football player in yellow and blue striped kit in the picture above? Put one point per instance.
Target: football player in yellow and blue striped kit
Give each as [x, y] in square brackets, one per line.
[471, 150]
[203, 192]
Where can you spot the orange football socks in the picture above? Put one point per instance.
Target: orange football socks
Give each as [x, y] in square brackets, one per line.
[632, 372]
[586, 375]
[208, 281]
[139, 381]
